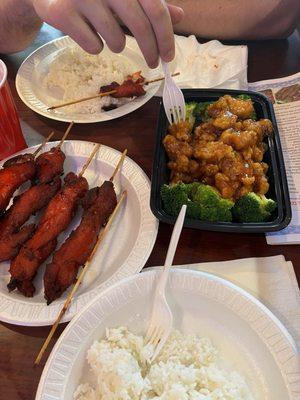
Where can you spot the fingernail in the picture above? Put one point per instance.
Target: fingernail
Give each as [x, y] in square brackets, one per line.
[153, 64]
[169, 56]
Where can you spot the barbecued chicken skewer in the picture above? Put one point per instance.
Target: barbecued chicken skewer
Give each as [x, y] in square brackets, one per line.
[131, 87]
[12, 176]
[55, 220]
[98, 205]
[50, 163]
[74, 252]
[80, 278]
[27, 156]
[16, 171]
[25, 205]
[12, 236]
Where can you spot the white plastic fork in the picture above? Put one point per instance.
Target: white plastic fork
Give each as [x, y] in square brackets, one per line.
[161, 321]
[173, 99]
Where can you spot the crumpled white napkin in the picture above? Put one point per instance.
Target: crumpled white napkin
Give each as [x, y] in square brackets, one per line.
[272, 280]
[209, 65]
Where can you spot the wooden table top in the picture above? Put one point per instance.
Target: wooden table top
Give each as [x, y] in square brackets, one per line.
[136, 132]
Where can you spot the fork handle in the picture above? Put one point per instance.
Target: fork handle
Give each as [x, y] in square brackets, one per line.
[172, 249]
[165, 69]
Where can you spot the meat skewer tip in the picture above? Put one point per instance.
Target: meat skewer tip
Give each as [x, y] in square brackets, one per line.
[46, 140]
[65, 135]
[95, 150]
[120, 163]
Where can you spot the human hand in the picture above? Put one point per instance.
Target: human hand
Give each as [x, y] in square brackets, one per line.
[150, 21]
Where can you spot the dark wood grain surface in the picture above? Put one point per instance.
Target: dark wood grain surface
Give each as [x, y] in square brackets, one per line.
[136, 132]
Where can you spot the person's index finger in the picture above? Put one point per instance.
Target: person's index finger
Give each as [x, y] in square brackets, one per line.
[159, 17]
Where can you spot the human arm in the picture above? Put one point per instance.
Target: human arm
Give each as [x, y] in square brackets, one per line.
[150, 21]
[19, 25]
[238, 19]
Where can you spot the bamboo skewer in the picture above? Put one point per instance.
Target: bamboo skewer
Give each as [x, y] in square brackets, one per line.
[50, 136]
[101, 94]
[65, 135]
[69, 103]
[160, 79]
[79, 280]
[95, 149]
[120, 162]
[43, 144]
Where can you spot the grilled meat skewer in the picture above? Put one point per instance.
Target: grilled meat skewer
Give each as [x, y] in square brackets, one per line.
[14, 173]
[25, 205]
[55, 219]
[74, 252]
[10, 244]
[26, 286]
[50, 164]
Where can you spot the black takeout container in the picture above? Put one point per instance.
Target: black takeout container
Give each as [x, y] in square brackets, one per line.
[276, 174]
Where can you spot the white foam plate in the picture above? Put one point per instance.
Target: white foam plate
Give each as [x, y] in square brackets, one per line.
[36, 66]
[124, 251]
[249, 337]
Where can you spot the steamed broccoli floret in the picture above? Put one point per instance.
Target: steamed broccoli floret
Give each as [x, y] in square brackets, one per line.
[201, 111]
[213, 207]
[189, 112]
[174, 196]
[244, 97]
[253, 208]
[191, 188]
[203, 202]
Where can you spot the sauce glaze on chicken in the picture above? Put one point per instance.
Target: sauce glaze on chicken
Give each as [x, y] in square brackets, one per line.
[226, 151]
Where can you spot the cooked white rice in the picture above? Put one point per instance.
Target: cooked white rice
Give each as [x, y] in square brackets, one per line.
[188, 368]
[77, 74]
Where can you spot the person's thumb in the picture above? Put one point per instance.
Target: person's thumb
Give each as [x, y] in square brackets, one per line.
[176, 13]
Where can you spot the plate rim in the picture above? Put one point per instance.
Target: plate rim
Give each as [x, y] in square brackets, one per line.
[137, 268]
[213, 278]
[59, 117]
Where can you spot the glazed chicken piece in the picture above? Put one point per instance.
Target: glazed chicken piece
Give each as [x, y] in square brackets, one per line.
[50, 164]
[25, 205]
[55, 219]
[262, 127]
[179, 153]
[60, 211]
[261, 185]
[243, 109]
[20, 159]
[75, 251]
[175, 147]
[14, 173]
[212, 152]
[225, 120]
[181, 131]
[32, 261]
[239, 140]
[225, 186]
[10, 244]
[131, 87]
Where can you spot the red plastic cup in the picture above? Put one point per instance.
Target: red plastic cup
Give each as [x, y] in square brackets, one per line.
[11, 137]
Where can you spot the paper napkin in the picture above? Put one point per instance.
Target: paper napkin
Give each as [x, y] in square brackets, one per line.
[209, 65]
[271, 280]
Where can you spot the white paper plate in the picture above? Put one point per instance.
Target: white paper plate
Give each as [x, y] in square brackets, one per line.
[247, 334]
[35, 67]
[124, 251]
